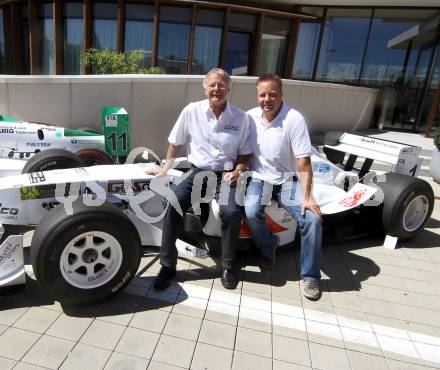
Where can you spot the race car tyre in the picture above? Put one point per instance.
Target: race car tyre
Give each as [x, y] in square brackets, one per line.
[52, 159]
[92, 157]
[408, 204]
[87, 255]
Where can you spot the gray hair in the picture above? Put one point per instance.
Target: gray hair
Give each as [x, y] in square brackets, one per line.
[217, 71]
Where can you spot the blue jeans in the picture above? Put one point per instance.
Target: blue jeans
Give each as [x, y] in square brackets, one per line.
[258, 195]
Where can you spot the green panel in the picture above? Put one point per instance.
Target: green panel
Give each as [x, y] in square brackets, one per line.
[71, 132]
[116, 128]
[6, 119]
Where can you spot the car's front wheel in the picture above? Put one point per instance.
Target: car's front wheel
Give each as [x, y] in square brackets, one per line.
[86, 256]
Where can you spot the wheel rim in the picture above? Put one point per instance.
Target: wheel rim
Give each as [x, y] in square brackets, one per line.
[91, 259]
[415, 213]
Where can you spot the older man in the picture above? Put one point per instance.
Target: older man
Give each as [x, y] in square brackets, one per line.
[217, 136]
[282, 149]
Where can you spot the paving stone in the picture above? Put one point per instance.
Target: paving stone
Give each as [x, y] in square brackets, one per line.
[37, 319]
[11, 315]
[255, 342]
[248, 361]
[26, 366]
[87, 357]
[14, 343]
[208, 357]
[364, 361]
[222, 312]
[174, 351]
[137, 342]
[103, 334]
[291, 350]
[161, 366]
[121, 361]
[6, 363]
[190, 306]
[280, 365]
[183, 326]
[152, 320]
[68, 327]
[255, 319]
[49, 352]
[329, 358]
[217, 334]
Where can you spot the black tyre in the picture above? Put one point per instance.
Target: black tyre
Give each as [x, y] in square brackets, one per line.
[86, 256]
[92, 157]
[407, 205]
[52, 159]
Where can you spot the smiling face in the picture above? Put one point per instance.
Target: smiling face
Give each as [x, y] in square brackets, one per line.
[270, 98]
[217, 91]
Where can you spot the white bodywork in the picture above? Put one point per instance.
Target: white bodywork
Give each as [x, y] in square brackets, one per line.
[19, 141]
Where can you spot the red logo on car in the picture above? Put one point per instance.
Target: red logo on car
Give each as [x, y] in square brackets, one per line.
[353, 199]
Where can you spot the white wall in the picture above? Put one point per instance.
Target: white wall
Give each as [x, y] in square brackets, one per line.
[154, 102]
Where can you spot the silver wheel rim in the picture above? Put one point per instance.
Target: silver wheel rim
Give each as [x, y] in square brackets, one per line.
[91, 259]
[415, 213]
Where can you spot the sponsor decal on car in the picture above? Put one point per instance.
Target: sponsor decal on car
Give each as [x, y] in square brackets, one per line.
[39, 145]
[36, 177]
[37, 192]
[353, 199]
[6, 131]
[6, 263]
[7, 213]
[119, 187]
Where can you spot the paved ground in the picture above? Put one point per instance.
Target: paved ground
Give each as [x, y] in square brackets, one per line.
[380, 310]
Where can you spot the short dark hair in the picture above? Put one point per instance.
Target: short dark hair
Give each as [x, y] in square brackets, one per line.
[271, 77]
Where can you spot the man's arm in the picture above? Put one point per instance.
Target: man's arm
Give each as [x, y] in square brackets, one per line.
[172, 152]
[241, 165]
[305, 173]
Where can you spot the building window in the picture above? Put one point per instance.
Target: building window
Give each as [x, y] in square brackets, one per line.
[139, 29]
[207, 40]
[343, 44]
[2, 45]
[104, 26]
[274, 46]
[47, 39]
[25, 39]
[241, 34]
[391, 32]
[73, 38]
[174, 31]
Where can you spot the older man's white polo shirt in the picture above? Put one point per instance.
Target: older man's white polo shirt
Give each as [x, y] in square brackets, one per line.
[276, 146]
[212, 144]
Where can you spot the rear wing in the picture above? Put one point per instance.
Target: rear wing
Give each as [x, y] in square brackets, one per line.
[403, 158]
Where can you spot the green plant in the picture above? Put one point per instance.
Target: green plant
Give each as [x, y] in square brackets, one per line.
[437, 137]
[110, 62]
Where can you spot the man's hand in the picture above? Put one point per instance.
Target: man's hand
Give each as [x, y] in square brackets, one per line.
[156, 171]
[313, 207]
[232, 177]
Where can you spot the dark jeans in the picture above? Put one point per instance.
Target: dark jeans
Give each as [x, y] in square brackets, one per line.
[230, 214]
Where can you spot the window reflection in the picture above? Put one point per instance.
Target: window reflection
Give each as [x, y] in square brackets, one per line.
[207, 40]
[25, 39]
[2, 45]
[307, 44]
[274, 46]
[343, 43]
[239, 43]
[73, 38]
[104, 26]
[47, 39]
[139, 29]
[174, 31]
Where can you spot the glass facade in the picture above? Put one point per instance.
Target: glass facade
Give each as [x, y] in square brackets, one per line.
[343, 44]
[274, 46]
[73, 38]
[139, 29]
[47, 39]
[25, 39]
[207, 40]
[2, 45]
[174, 31]
[240, 41]
[104, 26]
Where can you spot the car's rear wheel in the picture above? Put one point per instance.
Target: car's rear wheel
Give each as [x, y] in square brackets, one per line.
[87, 255]
[52, 159]
[92, 157]
[407, 206]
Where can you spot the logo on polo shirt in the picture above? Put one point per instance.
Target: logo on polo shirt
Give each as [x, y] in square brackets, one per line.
[231, 127]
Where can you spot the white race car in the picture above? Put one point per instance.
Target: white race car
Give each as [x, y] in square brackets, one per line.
[20, 141]
[91, 222]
